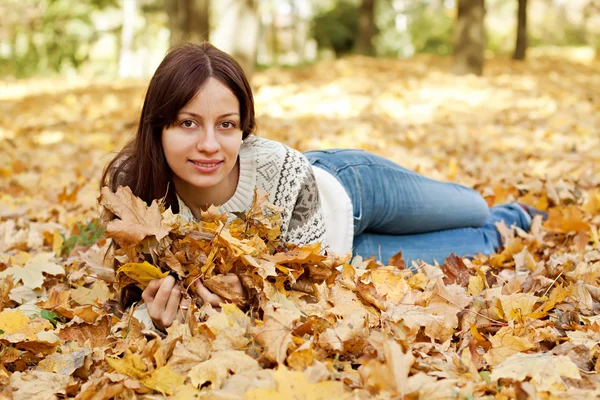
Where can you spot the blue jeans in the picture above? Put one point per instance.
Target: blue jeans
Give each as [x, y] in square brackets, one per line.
[396, 209]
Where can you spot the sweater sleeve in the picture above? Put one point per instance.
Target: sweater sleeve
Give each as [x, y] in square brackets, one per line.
[307, 221]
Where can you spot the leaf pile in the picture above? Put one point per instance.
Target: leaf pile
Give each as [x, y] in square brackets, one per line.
[520, 323]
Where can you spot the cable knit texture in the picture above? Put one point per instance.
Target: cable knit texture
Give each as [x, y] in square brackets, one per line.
[286, 175]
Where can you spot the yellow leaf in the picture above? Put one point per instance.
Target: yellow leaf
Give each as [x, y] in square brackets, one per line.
[18, 328]
[293, 385]
[142, 273]
[545, 370]
[131, 365]
[557, 296]
[517, 305]
[83, 296]
[505, 343]
[476, 285]
[220, 366]
[592, 202]
[163, 380]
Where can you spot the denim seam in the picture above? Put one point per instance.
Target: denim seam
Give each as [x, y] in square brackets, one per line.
[356, 178]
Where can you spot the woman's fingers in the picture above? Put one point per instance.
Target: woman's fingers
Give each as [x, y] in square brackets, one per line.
[172, 307]
[207, 296]
[150, 292]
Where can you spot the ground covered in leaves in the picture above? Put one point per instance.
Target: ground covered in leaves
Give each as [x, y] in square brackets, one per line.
[519, 323]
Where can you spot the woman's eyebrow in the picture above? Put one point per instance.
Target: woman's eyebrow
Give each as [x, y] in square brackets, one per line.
[193, 114]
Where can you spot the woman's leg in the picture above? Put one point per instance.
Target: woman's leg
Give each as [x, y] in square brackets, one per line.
[392, 200]
[439, 245]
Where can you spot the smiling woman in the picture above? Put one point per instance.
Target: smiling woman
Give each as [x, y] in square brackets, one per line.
[195, 148]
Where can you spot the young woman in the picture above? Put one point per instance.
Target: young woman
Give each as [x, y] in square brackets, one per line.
[195, 143]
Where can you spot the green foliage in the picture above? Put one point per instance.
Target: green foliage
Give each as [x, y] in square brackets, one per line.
[84, 235]
[431, 32]
[47, 36]
[337, 28]
[50, 316]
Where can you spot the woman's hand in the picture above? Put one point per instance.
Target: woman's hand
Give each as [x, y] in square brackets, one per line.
[162, 298]
[206, 296]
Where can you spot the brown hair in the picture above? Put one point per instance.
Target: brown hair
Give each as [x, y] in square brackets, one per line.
[141, 164]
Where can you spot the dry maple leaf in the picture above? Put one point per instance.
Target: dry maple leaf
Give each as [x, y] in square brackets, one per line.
[455, 271]
[545, 370]
[220, 366]
[135, 220]
[32, 273]
[275, 334]
[37, 385]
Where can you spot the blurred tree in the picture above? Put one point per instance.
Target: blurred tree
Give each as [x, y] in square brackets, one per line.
[430, 28]
[521, 43]
[591, 15]
[238, 30]
[336, 27]
[127, 35]
[366, 28]
[188, 20]
[469, 37]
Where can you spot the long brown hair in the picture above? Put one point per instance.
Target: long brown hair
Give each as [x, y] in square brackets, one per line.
[141, 164]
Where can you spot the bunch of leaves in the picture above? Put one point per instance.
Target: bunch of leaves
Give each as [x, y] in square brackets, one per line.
[156, 243]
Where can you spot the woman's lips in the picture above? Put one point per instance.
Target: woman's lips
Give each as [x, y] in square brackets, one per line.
[206, 167]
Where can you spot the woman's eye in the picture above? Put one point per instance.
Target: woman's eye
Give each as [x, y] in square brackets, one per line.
[227, 124]
[188, 123]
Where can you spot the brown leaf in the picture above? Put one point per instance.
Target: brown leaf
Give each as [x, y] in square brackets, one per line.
[97, 334]
[455, 271]
[135, 220]
[397, 260]
[226, 290]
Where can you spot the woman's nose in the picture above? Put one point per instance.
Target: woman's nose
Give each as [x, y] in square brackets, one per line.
[208, 142]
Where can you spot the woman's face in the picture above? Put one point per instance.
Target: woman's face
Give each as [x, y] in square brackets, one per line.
[203, 144]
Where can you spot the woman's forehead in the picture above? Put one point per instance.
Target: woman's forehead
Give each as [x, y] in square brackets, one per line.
[213, 97]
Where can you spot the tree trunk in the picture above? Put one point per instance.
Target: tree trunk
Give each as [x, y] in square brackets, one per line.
[521, 44]
[127, 34]
[239, 31]
[366, 28]
[274, 35]
[188, 20]
[469, 37]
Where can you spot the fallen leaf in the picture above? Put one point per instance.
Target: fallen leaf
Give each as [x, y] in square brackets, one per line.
[32, 273]
[293, 385]
[135, 219]
[545, 370]
[142, 273]
[36, 385]
[220, 366]
[275, 334]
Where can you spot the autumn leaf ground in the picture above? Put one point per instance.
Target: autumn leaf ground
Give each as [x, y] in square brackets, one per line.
[525, 131]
